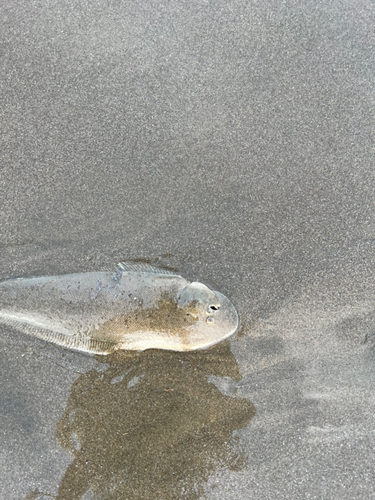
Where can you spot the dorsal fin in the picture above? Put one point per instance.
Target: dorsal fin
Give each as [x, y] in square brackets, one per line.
[143, 267]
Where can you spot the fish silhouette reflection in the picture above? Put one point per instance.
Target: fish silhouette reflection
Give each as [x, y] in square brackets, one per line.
[151, 426]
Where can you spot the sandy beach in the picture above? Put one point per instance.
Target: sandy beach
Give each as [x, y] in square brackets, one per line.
[234, 143]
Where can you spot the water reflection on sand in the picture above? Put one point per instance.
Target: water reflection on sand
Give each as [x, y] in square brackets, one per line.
[151, 426]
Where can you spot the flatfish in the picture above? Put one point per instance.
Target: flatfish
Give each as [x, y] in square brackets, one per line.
[137, 307]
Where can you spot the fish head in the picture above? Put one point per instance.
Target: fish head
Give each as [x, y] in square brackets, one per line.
[215, 315]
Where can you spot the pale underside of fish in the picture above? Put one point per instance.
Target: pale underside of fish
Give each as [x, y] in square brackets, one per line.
[137, 307]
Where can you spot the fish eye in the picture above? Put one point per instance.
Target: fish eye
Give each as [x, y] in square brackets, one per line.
[214, 308]
[210, 320]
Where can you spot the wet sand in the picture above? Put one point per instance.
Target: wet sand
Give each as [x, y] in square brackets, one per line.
[233, 142]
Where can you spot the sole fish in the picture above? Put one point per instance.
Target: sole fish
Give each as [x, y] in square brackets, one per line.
[137, 307]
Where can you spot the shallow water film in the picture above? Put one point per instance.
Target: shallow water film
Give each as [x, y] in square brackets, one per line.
[152, 426]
